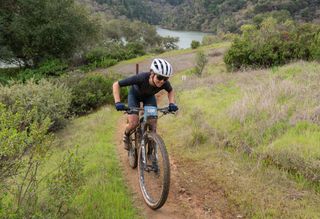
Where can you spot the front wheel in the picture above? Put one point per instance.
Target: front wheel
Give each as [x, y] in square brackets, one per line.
[154, 171]
[132, 152]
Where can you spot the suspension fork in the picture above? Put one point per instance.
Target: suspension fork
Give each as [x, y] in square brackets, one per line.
[150, 124]
[143, 144]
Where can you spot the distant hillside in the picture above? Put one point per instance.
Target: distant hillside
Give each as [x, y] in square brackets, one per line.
[210, 15]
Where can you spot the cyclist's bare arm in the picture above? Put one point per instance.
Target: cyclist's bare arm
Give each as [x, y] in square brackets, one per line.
[171, 96]
[116, 91]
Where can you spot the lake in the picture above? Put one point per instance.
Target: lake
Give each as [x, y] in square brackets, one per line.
[185, 37]
[8, 65]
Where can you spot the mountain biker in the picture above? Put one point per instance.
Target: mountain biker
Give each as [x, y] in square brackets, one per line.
[144, 86]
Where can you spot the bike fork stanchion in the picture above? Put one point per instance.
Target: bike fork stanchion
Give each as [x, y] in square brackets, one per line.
[143, 155]
[155, 166]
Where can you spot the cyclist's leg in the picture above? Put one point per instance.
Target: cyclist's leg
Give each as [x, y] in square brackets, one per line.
[151, 101]
[133, 119]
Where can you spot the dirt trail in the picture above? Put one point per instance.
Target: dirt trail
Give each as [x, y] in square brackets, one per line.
[191, 194]
[179, 62]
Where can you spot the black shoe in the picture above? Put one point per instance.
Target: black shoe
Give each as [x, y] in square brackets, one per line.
[126, 141]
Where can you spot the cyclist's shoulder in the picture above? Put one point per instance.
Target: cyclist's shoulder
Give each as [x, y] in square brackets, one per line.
[144, 74]
[140, 75]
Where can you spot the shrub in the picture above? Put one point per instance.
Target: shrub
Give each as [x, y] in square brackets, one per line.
[91, 92]
[201, 61]
[227, 36]
[65, 183]
[200, 130]
[210, 39]
[157, 50]
[7, 74]
[134, 49]
[195, 44]
[238, 55]
[273, 44]
[104, 63]
[113, 52]
[169, 43]
[95, 55]
[50, 67]
[315, 47]
[50, 100]
[24, 145]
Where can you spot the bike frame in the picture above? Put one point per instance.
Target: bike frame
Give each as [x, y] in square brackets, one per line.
[143, 127]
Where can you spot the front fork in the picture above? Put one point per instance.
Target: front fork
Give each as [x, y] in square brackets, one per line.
[154, 167]
[152, 124]
[143, 155]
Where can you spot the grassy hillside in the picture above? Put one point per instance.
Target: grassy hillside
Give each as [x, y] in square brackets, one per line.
[254, 133]
[104, 194]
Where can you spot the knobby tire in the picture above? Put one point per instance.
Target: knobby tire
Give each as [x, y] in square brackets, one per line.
[164, 191]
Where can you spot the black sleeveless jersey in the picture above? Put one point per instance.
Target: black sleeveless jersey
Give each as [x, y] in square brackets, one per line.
[141, 87]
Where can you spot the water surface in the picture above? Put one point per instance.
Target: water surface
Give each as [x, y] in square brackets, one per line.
[185, 37]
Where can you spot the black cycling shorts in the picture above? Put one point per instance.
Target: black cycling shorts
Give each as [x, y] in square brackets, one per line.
[134, 100]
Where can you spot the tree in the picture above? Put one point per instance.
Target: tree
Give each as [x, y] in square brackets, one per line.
[169, 43]
[34, 30]
[195, 44]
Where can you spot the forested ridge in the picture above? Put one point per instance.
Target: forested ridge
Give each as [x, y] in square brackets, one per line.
[211, 15]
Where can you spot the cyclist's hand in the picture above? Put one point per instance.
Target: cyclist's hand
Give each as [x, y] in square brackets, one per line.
[172, 107]
[120, 106]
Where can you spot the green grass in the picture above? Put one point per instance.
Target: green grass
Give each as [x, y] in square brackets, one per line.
[217, 45]
[213, 102]
[220, 97]
[104, 194]
[298, 151]
[135, 60]
[258, 190]
[302, 139]
[295, 69]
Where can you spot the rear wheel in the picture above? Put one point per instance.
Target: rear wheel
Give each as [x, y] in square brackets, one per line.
[154, 173]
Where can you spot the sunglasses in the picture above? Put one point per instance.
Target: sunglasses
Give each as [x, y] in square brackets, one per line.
[162, 78]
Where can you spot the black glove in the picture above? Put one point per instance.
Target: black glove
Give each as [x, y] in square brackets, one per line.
[172, 107]
[120, 106]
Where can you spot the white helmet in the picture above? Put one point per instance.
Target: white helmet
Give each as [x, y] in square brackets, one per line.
[161, 67]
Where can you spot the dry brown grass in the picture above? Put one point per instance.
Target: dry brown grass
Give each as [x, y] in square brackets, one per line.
[193, 81]
[289, 96]
[272, 99]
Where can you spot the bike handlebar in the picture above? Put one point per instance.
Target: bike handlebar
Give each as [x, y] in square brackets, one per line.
[164, 110]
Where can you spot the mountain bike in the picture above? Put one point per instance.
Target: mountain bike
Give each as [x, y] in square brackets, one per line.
[148, 151]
